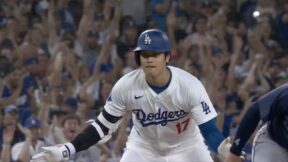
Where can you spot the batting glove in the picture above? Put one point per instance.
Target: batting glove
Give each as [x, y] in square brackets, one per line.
[55, 153]
[224, 148]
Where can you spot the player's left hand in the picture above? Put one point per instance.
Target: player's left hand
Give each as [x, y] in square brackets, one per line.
[224, 148]
[233, 158]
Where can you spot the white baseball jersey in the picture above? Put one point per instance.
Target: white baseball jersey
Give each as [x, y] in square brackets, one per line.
[165, 121]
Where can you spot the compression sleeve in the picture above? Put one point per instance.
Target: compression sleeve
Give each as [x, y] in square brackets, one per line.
[211, 134]
[85, 139]
[95, 131]
[246, 129]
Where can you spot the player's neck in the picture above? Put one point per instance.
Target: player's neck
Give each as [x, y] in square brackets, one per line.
[160, 80]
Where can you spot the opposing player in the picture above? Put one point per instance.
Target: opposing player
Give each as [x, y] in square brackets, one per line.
[271, 141]
[168, 105]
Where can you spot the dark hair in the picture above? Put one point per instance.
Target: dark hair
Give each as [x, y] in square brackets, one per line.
[70, 117]
[5, 66]
[196, 19]
[137, 56]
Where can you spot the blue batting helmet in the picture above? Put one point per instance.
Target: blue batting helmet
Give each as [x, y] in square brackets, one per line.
[152, 40]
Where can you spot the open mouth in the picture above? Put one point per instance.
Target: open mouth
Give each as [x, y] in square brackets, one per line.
[9, 124]
[150, 67]
[72, 131]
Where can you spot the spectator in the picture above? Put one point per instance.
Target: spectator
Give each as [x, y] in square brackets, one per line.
[91, 48]
[23, 151]
[70, 105]
[71, 125]
[9, 125]
[159, 10]
[105, 89]
[13, 90]
[282, 26]
[128, 37]
[137, 9]
[273, 69]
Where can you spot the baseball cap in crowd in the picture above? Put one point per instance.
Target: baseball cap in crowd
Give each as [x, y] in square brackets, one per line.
[275, 63]
[129, 23]
[93, 33]
[3, 21]
[230, 98]
[32, 123]
[205, 4]
[30, 61]
[42, 6]
[11, 109]
[281, 76]
[72, 102]
[99, 16]
[67, 36]
[7, 43]
[6, 66]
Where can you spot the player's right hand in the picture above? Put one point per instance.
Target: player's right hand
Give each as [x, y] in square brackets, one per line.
[55, 153]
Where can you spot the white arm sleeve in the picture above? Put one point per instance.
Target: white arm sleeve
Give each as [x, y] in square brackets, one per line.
[201, 106]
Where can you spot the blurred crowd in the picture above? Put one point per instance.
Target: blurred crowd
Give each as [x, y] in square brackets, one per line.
[59, 60]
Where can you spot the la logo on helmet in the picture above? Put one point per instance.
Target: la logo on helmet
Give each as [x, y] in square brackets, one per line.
[147, 39]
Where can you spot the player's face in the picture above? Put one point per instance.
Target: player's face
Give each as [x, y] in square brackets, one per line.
[153, 64]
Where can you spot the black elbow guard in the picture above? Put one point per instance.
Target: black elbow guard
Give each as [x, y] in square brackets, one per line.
[85, 139]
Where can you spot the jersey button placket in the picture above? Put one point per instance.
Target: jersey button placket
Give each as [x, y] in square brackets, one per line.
[156, 107]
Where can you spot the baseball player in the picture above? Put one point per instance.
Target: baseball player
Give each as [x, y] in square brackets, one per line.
[168, 107]
[271, 141]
